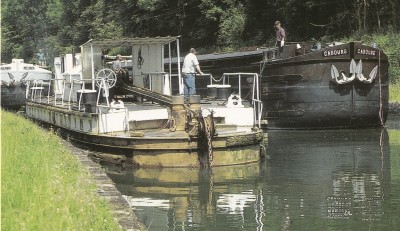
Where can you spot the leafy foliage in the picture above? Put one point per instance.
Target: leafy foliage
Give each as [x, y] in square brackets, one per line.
[58, 26]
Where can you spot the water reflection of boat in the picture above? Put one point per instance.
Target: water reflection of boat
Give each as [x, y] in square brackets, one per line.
[190, 196]
[336, 174]
[313, 180]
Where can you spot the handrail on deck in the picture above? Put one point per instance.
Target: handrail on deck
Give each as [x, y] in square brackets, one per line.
[81, 91]
[38, 85]
[150, 74]
[239, 74]
[62, 90]
[256, 101]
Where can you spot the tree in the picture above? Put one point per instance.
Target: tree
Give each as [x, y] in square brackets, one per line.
[60, 26]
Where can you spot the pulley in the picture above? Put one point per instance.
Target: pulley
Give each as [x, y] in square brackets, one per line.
[109, 76]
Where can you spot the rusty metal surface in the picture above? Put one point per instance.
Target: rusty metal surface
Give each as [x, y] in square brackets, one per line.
[146, 93]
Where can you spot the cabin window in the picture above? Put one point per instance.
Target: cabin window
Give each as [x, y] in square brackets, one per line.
[6, 68]
[81, 123]
[90, 125]
[29, 68]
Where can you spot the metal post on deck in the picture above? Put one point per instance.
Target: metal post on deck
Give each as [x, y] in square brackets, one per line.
[179, 67]
[240, 86]
[170, 66]
[92, 61]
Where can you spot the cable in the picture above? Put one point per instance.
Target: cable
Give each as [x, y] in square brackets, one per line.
[140, 60]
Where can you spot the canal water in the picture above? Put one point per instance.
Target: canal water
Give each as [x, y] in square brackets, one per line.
[310, 180]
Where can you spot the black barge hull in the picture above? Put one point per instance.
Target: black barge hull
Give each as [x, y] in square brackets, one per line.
[13, 97]
[302, 92]
[311, 89]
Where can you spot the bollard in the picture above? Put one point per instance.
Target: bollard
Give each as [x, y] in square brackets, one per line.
[178, 112]
[194, 102]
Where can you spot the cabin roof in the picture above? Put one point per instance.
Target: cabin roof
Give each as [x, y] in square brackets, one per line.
[230, 55]
[131, 41]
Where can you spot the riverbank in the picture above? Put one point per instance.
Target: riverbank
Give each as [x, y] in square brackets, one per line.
[394, 98]
[46, 187]
[394, 108]
[394, 92]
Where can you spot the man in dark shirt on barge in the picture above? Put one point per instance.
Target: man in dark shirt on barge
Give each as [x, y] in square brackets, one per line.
[280, 38]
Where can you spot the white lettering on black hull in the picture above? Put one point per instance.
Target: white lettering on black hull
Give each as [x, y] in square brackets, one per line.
[366, 52]
[335, 52]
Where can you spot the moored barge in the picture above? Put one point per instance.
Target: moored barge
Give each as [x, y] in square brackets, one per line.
[312, 87]
[135, 118]
[16, 78]
[337, 86]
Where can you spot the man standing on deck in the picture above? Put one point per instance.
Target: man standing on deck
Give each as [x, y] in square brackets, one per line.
[121, 72]
[190, 65]
[280, 38]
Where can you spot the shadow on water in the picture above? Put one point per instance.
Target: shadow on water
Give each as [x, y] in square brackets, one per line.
[312, 180]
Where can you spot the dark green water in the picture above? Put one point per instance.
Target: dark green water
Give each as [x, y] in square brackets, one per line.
[311, 180]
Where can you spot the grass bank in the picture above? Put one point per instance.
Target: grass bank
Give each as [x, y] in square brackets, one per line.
[394, 92]
[395, 156]
[44, 187]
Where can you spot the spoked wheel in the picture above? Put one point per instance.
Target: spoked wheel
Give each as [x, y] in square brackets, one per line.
[109, 76]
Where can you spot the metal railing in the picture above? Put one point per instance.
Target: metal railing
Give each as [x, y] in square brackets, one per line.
[256, 97]
[38, 85]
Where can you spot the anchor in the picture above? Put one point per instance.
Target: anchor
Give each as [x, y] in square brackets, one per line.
[12, 80]
[361, 77]
[344, 79]
[355, 71]
[23, 81]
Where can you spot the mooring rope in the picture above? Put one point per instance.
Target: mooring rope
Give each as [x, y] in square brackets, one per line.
[208, 131]
[140, 59]
[380, 89]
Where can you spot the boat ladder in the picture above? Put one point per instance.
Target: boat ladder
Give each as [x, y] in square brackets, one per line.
[36, 91]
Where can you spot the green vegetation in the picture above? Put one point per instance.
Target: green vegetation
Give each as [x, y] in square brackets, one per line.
[394, 141]
[395, 156]
[44, 187]
[61, 26]
[394, 92]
